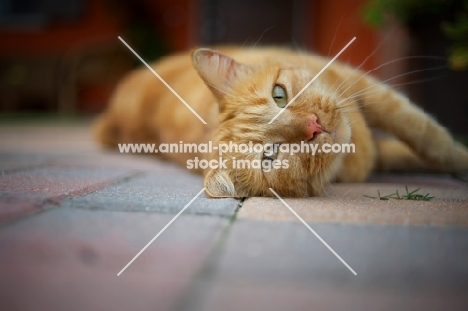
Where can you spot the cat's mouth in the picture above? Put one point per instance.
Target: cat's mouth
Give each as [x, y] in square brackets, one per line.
[323, 130]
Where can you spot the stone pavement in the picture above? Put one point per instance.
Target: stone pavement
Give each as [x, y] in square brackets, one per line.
[72, 216]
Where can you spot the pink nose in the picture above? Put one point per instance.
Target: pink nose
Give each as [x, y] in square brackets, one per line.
[313, 127]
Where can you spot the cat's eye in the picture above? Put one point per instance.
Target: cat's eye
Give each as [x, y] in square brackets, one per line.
[271, 153]
[267, 164]
[279, 96]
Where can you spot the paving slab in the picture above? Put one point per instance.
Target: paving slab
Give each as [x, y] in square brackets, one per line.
[409, 255]
[268, 265]
[346, 203]
[51, 138]
[14, 161]
[165, 192]
[110, 158]
[420, 179]
[68, 259]
[27, 191]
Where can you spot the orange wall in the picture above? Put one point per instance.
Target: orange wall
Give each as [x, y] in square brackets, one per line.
[96, 25]
[176, 22]
[335, 23]
[100, 23]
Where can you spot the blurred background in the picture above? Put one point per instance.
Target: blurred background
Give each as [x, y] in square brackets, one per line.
[64, 58]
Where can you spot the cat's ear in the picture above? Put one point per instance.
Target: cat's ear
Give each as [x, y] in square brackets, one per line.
[217, 70]
[218, 184]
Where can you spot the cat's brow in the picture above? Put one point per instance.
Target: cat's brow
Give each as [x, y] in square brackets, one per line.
[313, 79]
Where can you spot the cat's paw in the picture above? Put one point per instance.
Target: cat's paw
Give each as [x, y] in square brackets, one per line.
[461, 158]
[448, 158]
[218, 184]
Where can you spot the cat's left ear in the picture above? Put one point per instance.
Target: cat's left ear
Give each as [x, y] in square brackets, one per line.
[217, 70]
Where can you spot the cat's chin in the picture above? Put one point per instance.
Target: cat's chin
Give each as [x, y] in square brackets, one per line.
[320, 139]
[331, 137]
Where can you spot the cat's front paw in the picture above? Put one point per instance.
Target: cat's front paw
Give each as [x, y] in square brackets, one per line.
[461, 158]
[448, 159]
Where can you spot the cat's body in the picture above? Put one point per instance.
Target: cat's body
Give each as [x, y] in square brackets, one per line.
[340, 106]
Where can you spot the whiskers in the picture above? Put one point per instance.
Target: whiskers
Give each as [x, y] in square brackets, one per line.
[367, 58]
[386, 64]
[300, 52]
[374, 90]
[334, 35]
[261, 36]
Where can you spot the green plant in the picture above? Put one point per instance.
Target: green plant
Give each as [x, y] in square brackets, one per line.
[458, 31]
[451, 15]
[410, 195]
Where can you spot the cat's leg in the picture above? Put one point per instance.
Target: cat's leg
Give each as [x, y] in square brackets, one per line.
[106, 130]
[358, 165]
[394, 113]
[130, 107]
[112, 128]
[394, 155]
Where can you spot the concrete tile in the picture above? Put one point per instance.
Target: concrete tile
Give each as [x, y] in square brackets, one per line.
[68, 259]
[112, 159]
[300, 297]
[50, 181]
[345, 203]
[66, 145]
[48, 139]
[420, 179]
[160, 191]
[283, 266]
[26, 191]
[15, 161]
[15, 208]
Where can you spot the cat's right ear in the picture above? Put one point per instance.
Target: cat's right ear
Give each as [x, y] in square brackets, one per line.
[218, 184]
[217, 70]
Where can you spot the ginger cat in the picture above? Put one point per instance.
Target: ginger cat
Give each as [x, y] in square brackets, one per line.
[238, 91]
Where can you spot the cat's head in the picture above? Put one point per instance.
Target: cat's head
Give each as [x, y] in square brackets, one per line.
[250, 95]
